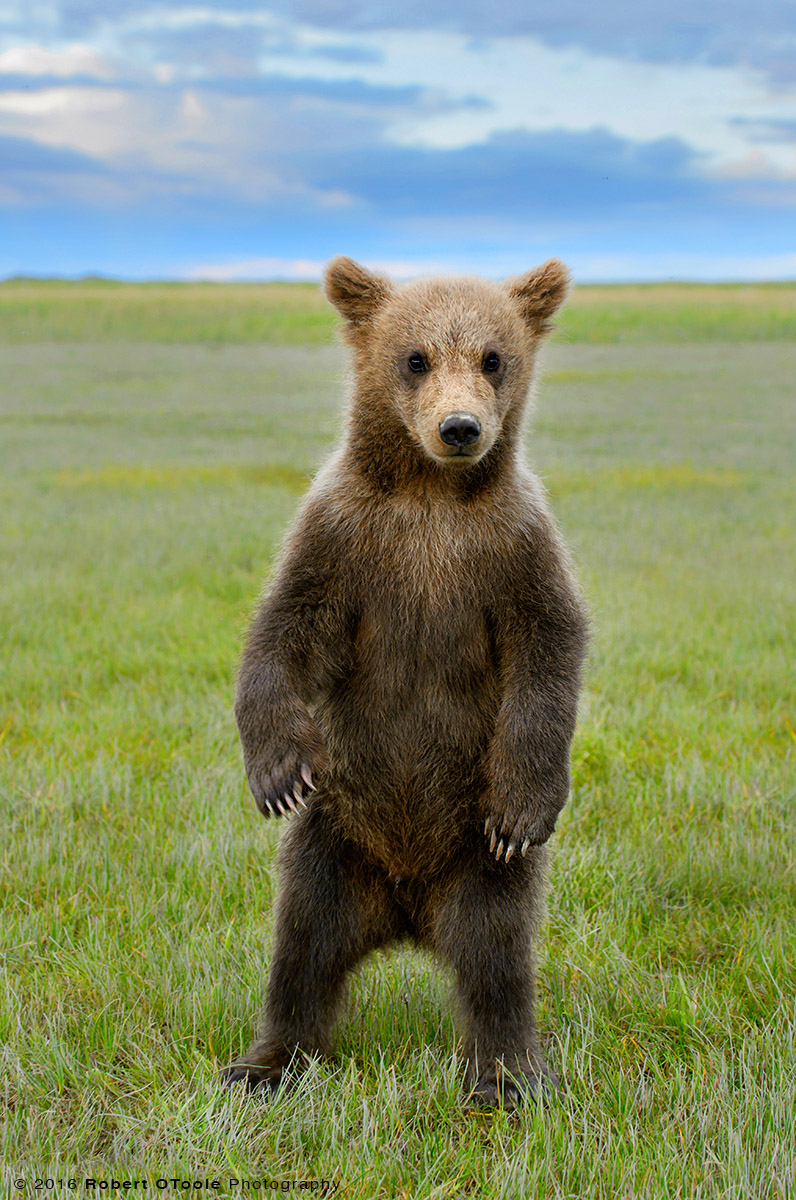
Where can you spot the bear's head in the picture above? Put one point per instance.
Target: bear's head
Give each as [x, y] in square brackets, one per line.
[443, 365]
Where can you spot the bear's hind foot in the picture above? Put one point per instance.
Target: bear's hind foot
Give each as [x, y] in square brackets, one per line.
[265, 1069]
[498, 1088]
[264, 1080]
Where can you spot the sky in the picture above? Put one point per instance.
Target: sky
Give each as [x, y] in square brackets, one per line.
[227, 139]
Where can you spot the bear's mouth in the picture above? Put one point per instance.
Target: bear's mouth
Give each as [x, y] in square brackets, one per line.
[470, 453]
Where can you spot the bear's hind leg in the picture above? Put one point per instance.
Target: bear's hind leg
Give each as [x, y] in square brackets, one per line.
[483, 924]
[331, 910]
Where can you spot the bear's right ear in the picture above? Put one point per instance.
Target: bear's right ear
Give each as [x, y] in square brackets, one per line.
[354, 291]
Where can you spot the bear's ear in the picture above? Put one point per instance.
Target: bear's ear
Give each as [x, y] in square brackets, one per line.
[354, 291]
[540, 292]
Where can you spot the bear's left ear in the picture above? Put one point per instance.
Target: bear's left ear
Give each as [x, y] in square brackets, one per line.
[540, 292]
[353, 290]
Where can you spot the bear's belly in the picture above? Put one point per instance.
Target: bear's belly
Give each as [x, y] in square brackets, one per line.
[408, 732]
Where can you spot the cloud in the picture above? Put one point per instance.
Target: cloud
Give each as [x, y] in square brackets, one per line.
[172, 143]
[427, 135]
[39, 60]
[29, 170]
[688, 265]
[516, 176]
[716, 32]
[445, 89]
[22, 155]
[317, 147]
[757, 130]
[256, 268]
[615, 267]
[522, 83]
[306, 269]
[243, 140]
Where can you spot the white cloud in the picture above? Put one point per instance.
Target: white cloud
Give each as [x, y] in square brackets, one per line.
[156, 19]
[177, 141]
[81, 118]
[586, 268]
[158, 140]
[682, 266]
[164, 72]
[256, 268]
[307, 269]
[49, 102]
[74, 59]
[191, 107]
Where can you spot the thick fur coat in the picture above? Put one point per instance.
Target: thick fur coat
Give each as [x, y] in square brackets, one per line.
[409, 684]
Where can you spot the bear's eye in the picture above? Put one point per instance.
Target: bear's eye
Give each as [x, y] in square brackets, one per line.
[491, 361]
[417, 363]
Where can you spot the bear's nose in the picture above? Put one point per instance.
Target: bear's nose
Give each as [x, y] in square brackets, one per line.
[460, 429]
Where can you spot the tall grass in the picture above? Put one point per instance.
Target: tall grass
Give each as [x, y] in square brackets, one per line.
[144, 490]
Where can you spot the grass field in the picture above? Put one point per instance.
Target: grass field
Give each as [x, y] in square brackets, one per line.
[34, 311]
[153, 447]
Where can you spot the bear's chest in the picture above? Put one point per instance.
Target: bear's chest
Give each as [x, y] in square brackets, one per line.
[423, 622]
[427, 559]
[431, 645]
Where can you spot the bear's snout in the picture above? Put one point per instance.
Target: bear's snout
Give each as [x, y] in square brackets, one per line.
[460, 429]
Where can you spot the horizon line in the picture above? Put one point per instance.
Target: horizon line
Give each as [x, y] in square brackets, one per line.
[316, 280]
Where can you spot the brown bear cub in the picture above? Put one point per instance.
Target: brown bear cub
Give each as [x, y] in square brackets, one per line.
[409, 685]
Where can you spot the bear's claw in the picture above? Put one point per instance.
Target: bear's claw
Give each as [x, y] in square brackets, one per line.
[283, 792]
[307, 777]
[509, 843]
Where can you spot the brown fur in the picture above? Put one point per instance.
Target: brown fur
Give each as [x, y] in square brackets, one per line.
[419, 650]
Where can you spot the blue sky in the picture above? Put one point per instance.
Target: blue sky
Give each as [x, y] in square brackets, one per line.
[225, 139]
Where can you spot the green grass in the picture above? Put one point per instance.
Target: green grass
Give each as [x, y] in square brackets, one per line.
[96, 310]
[144, 490]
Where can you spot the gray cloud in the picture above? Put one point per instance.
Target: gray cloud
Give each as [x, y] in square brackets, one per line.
[517, 176]
[719, 32]
[715, 31]
[22, 156]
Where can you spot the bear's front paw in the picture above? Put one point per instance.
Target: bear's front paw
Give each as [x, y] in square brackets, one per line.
[282, 790]
[510, 834]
